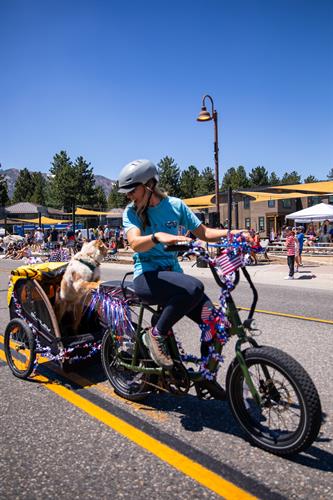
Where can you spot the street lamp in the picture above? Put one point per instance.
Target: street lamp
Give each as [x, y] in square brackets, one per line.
[205, 116]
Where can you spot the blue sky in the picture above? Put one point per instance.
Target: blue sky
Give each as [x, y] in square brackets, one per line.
[118, 80]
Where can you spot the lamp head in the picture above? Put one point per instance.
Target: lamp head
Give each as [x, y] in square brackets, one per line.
[204, 115]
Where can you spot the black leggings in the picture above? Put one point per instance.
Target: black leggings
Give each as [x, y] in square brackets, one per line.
[179, 294]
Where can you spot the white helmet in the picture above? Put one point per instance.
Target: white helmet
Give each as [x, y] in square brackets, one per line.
[135, 173]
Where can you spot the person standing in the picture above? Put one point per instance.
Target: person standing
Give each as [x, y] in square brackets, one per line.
[291, 251]
[300, 238]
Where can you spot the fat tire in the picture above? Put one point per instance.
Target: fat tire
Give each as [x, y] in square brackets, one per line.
[17, 322]
[302, 385]
[143, 390]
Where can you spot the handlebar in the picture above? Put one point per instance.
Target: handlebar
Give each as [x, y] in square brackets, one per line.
[191, 248]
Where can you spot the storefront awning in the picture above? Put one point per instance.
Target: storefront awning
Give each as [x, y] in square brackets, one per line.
[42, 220]
[86, 212]
[312, 188]
[200, 201]
[263, 196]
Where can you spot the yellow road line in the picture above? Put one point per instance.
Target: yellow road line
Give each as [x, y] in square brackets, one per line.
[287, 315]
[199, 473]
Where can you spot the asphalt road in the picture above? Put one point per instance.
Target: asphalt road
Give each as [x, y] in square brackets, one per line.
[51, 448]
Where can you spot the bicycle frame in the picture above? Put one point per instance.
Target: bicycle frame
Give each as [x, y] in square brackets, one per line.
[237, 328]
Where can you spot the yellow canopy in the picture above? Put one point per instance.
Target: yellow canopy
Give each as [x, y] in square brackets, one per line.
[84, 211]
[262, 196]
[323, 187]
[200, 201]
[44, 220]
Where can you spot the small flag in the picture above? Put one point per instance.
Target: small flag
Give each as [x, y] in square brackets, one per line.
[228, 262]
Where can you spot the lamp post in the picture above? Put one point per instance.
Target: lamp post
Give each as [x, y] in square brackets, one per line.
[205, 116]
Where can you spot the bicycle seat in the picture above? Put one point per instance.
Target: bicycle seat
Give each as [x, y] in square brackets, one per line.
[126, 292]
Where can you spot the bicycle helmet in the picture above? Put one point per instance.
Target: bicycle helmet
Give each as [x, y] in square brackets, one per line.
[135, 173]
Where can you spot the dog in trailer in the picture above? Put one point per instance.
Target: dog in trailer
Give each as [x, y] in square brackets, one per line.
[82, 275]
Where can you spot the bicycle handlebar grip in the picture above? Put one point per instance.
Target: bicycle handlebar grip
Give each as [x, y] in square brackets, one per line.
[181, 246]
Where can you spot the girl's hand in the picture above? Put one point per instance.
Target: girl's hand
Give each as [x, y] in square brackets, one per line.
[170, 239]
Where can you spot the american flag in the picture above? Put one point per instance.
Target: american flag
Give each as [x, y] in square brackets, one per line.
[228, 262]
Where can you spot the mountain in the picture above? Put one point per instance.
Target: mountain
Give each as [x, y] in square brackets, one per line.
[11, 175]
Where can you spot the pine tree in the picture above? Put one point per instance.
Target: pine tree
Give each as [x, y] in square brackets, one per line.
[274, 180]
[116, 199]
[258, 176]
[169, 176]
[4, 198]
[24, 187]
[242, 179]
[291, 178]
[39, 188]
[101, 201]
[61, 188]
[86, 194]
[310, 178]
[189, 182]
[206, 182]
[330, 175]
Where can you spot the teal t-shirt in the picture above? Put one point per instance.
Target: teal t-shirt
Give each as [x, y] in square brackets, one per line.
[167, 216]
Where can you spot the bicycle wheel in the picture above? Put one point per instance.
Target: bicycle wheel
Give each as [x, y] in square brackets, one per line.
[289, 417]
[126, 383]
[19, 346]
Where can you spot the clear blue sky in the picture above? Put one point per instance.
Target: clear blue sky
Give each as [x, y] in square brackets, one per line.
[118, 80]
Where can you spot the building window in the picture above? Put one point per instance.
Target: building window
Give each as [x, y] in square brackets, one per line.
[247, 223]
[261, 223]
[246, 202]
[313, 200]
[286, 203]
[330, 200]
[271, 203]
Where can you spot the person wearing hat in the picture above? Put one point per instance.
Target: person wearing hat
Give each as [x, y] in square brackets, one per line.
[151, 221]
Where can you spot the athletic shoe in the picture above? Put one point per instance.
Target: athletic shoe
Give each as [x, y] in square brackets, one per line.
[289, 278]
[158, 349]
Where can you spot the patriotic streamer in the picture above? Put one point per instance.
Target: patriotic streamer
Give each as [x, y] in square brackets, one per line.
[113, 311]
[215, 328]
[64, 354]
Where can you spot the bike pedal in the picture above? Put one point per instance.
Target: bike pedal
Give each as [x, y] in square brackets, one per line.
[207, 389]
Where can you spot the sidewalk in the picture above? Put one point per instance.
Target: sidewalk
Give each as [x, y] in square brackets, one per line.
[311, 276]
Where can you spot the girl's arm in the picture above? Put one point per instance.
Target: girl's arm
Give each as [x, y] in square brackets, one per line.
[140, 243]
[209, 234]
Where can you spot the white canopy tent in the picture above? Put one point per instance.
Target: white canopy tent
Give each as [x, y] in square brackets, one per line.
[319, 212]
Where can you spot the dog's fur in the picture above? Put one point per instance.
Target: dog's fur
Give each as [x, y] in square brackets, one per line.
[78, 279]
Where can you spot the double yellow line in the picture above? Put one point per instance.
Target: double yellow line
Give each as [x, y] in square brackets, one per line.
[189, 467]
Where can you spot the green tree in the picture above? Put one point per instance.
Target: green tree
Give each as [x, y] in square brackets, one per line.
[330, 175]
[116, 199]
[230, 179]
[310, 178]
[71, 184]
[169, 175]
[258, 176]
[189, 182]
[4, 198]
[39, 188]
[242, 179]
[101, 201]
[291, 178]
[236, 178]
[24, 187]
[206, 182]
[61, 189]
[86, 193]
[274, 180]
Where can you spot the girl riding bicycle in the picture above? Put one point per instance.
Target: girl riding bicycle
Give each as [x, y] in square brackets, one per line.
[151, 221]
